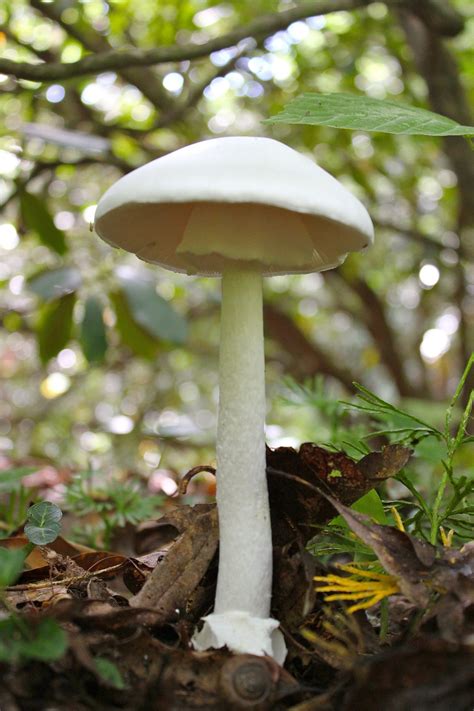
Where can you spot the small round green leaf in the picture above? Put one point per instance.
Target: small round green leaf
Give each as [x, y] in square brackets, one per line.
[43, 523]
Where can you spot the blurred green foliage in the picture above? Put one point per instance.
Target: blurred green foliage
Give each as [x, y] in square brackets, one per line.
[438, 486]
[99, 374]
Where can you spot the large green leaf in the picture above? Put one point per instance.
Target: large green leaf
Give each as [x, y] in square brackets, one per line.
[151, 311]
[362, 113]
[37, 218]
[132, 335]
[55, 326]
[51, 283]
[92, 333]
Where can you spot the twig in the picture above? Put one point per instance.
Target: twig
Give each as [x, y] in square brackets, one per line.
[145, 80]
[183, 484]
[119, 60]
[308, 358]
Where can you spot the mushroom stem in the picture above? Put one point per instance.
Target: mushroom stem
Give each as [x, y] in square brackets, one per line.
[241, 619]
[245, 542]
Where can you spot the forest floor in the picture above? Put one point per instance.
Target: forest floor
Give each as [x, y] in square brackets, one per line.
[75, 635]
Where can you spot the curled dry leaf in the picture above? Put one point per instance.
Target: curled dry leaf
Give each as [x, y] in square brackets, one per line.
[453, 579]
[407, 558]
[296, 507]
[155, 535]
[438, 581]
[293, 594]
[172, 582]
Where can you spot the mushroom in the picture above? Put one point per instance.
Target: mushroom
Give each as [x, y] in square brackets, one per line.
[240, 208]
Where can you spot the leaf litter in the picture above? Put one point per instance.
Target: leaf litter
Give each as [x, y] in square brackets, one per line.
[128, 619]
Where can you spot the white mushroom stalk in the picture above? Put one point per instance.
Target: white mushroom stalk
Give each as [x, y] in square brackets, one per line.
[240, 208]
[241, 618]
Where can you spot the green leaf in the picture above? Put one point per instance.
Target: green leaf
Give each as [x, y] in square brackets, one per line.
[431, 449]
[151, 311]
[92, 333]
[369, 504]
[49, 642]
[45, 641]
[50, 284]
[109, 672]
[11, 565]
[132, 335]
[36, 217]
[362, 113]
[10, 479]
[55, 326]
[43, 523]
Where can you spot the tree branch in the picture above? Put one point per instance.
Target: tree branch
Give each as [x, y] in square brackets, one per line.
[447, 96]
[431, 243]
[180, 109]
[381, 332]
[119, 60]
[438, 15]
[143, 79]
[307, 358]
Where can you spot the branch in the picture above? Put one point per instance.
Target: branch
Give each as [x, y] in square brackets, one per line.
[143, 79]
[439, 16]
[119, 60]
[177, 112]
[50, 166]
[447, 96]
[45, 55]
[381, 332]
[430, 243]
[308, 360]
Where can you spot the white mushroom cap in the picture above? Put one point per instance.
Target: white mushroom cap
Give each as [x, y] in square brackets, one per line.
[243, 201]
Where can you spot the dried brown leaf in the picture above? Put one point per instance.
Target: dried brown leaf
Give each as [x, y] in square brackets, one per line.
[172, 582]
[299, 508]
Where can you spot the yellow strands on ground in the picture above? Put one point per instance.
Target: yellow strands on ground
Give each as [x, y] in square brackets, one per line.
[373, 587]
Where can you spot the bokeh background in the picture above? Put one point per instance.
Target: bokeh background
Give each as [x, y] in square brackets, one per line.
[90, 382]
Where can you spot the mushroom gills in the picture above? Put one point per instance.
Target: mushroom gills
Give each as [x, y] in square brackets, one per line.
[242, 234]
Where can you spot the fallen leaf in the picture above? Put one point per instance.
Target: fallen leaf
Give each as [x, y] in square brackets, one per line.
[172, 582]
[426, 675]
[298, 507]
[407, 558]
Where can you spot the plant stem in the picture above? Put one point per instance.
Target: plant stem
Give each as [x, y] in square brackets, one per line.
[435, 517]
[245, 548]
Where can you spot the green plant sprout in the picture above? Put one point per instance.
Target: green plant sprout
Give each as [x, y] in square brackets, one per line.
[115, 505]
[21, 641]
[438, 503]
